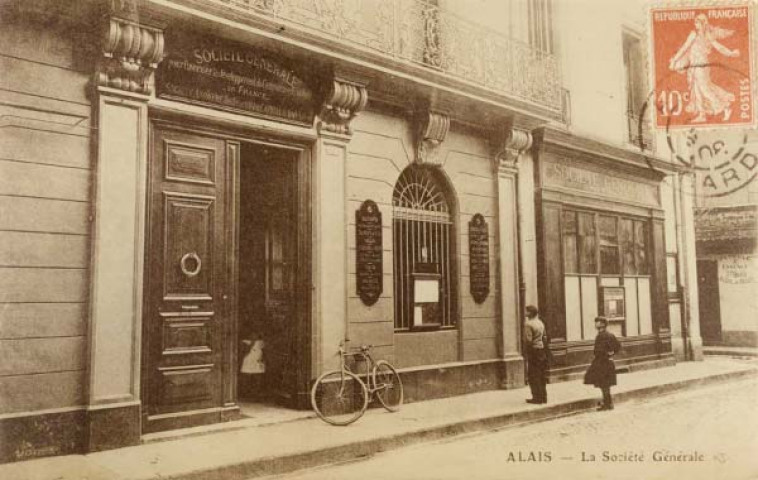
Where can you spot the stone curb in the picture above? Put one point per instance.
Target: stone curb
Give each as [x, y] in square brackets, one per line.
[340, 453]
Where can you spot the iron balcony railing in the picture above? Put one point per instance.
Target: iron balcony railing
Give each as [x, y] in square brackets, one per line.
[418, 32]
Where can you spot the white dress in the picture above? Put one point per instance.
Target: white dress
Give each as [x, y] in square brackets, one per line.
[253, 361]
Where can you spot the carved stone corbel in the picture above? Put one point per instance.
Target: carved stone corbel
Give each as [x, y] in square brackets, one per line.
[130, 51]
[343, 101]
[515, 142]
[432, 131]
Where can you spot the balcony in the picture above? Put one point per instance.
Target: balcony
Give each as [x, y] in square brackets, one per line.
[418, 34]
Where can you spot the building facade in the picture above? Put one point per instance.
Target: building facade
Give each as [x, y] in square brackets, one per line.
[184, 179]
[726, 225]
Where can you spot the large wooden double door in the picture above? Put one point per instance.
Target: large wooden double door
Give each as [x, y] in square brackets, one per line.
[188, 280]
[190, 325]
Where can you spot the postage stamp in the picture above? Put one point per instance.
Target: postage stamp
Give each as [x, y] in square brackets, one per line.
[702, 66]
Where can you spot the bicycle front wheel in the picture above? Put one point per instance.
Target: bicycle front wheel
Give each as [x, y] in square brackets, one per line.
[389, 388]
[339, 398]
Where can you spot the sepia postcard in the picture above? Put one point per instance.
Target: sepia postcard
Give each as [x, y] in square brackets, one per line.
[380, 239]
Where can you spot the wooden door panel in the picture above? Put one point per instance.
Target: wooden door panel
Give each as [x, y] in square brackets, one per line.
[188, 241]
[187, 278]
[185, 388]
[190, 163]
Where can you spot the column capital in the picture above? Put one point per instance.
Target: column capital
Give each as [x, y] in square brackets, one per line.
[342, 102]
[130, 50]
[432, 130]
[514, 142]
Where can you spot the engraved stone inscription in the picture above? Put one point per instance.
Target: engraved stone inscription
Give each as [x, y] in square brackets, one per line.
[368, 252]
[479, 258]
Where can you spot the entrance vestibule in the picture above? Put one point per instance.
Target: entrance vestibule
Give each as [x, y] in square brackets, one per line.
[267, 267]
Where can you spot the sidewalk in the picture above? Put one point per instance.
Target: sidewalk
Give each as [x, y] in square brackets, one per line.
[265, 449]
[734, 352]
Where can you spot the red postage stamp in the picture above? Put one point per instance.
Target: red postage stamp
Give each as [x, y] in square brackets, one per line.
[703, 70]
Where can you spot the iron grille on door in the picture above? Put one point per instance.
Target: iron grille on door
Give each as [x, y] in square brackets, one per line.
[422, 233]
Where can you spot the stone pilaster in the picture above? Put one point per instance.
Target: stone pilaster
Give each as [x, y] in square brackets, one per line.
[513, 144]
[342, 103]
[130, 53]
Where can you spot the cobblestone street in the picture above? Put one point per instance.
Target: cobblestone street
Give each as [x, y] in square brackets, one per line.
[709, 433]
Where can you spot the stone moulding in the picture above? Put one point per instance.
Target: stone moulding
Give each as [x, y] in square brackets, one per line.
[131, 53]
[343, 101]
[433, 128]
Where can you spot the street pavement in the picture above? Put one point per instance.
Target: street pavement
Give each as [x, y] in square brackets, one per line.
[267, 446]
[702, 433]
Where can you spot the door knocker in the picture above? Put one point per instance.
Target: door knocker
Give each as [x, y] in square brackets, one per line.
[190, 258]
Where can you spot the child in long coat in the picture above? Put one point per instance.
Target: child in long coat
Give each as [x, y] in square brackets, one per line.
[602, 371]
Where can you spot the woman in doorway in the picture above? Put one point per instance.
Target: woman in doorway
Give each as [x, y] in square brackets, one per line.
[602, 371]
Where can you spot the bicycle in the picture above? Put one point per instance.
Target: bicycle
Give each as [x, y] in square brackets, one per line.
[340, 397]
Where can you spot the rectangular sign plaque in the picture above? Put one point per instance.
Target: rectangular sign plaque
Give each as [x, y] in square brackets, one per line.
[368, 252]
[235, 77]
[479, 258]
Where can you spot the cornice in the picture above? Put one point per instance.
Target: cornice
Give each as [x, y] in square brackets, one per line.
[553, 141]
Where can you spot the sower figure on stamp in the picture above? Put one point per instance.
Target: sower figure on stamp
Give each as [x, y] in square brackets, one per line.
[602, 371]
[705, 96]
[535, 342]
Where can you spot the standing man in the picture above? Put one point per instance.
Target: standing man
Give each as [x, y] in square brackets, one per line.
[536, 356]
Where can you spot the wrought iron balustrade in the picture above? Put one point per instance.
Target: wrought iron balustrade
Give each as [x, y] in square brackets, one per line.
[419, 32]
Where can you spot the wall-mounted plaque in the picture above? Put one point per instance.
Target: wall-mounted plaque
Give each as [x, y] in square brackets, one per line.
[368, 252]
[232, 76]
[479, 258]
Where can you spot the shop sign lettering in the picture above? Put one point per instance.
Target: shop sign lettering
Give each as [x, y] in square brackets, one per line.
[235, 77]
[565, 176]
[738, 270]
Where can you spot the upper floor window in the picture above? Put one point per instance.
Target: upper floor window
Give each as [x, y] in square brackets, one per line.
[424, 243]
[541, 25]
[636, 91]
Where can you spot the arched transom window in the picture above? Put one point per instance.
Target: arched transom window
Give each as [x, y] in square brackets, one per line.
[423, 251]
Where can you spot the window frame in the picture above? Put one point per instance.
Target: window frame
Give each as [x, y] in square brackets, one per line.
[425, 226]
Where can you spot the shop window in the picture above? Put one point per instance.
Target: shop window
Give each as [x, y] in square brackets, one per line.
[610, 263]
[570, 259]
[587, 243]
[423, 240]
[600, 251]
[640, 247]
[626, 238]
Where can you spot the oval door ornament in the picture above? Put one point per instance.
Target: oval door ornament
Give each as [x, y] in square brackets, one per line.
[190, 264]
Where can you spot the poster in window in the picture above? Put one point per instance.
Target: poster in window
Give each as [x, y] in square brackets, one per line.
[612, 302]
[479, 258]
[368, 252]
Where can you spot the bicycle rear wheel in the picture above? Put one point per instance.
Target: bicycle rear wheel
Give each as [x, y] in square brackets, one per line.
[339, 398]
[389, 388]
